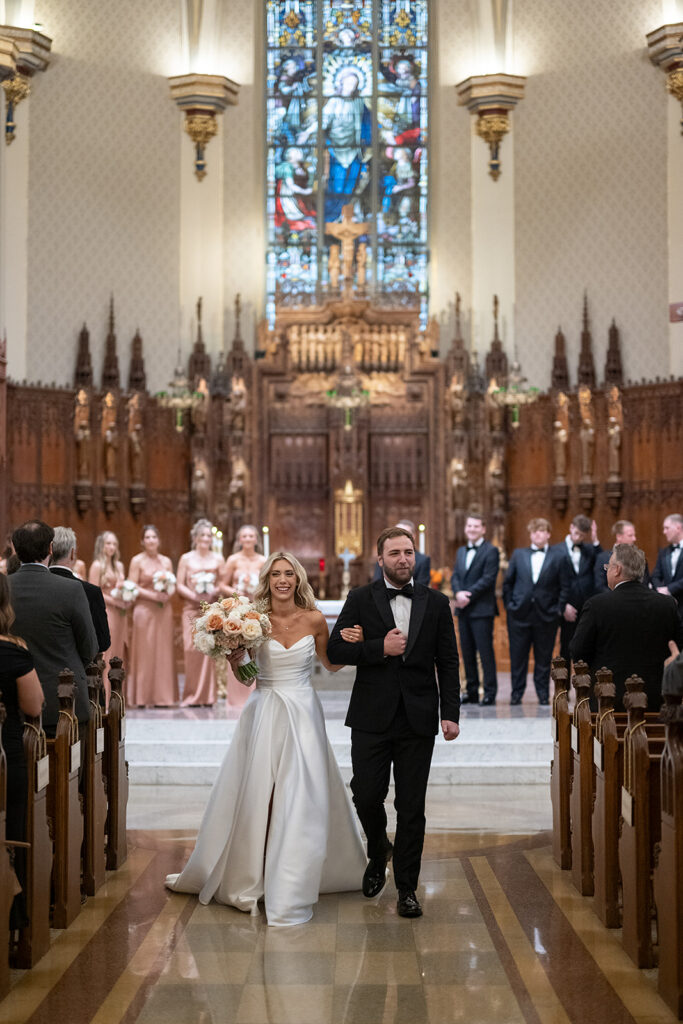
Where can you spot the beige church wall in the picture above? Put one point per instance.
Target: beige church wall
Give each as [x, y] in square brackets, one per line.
[590, 175]
[450, 239]
[104, 186]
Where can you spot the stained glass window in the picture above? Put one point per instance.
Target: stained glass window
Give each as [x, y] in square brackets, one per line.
[347, 117]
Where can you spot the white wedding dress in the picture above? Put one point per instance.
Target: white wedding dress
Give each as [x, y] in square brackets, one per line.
[280, 750]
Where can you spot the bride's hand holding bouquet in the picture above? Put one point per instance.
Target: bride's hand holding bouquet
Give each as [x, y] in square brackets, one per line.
[232, 629]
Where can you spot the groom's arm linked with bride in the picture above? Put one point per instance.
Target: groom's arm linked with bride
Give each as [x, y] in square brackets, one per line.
[407, 679]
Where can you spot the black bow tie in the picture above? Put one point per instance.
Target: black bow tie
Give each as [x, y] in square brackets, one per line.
[535, 551]
[406, 591]
[675, 547]
[471, 547]
[576, 547]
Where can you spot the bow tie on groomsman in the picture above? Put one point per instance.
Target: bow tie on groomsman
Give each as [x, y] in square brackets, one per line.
[471, 547]
[406, 591]
[576, 547]
[535, 550]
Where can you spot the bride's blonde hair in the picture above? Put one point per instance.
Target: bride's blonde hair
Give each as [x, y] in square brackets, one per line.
[303, 592]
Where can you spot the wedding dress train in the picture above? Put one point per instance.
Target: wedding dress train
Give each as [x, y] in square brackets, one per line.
[279, 750]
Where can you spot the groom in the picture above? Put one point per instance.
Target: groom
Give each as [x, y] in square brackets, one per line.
[394, 710]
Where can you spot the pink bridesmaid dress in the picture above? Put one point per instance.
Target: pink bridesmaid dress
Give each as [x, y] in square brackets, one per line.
[118, 619]
[152, 677]
[200, 670]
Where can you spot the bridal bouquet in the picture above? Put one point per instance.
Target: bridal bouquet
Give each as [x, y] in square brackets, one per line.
[204, 582]
[230, 625]
[164, 582]
[126, 592]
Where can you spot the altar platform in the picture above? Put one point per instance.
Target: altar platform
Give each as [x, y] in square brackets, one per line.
[497, 745]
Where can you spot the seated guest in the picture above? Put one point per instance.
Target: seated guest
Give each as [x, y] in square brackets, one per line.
[534, 593]
[667, 577]
[579, 549]
[53, 617]
[422, 562]
[21, 693]
[628, 629]
[672, 680]
[474, 586]
[624, 532]
[62, 563]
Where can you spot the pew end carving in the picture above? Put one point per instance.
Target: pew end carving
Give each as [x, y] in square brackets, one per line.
[583, 782]
[94, 796]
[561, 766]
[116, 768]
[64, 807]
[34, 939]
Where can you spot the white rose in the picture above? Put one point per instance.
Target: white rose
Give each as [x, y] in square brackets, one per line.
[251, 629]
[243, 600]
[205, 642]
[234, 616]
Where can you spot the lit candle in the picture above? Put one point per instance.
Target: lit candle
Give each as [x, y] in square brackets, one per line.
[266, 541]
[421, 538]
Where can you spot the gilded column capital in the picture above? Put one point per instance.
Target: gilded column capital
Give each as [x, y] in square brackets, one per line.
[202, 97]
[491, 98]
[665, 49]
[23, 51]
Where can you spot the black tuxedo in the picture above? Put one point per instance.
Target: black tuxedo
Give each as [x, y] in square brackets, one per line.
[53, 617]
[394, 713]
[628, 630]
[579, 587]
[600, 576]
[98, 609]
[533, 612]
[475, 622]
[663, 576]
[420, 572]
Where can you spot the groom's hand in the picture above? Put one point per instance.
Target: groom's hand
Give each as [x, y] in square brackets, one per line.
[450, 730]
[394, 643]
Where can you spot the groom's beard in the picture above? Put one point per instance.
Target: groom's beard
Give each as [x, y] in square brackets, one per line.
[399, 576]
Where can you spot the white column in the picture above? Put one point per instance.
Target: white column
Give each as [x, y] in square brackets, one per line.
[675, 218]
[201, 241]
[14, 169]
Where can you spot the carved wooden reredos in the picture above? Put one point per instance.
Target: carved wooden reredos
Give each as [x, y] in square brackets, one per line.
[343, 421]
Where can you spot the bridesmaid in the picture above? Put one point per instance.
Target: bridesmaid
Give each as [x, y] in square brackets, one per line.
[240, 576]
[106, 572]
[152, 677]
[200, 675]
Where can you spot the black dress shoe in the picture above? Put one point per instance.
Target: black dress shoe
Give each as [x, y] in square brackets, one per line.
[543, 700]
[466, 699]
[515, 700]
[375, 877]
[408, 904]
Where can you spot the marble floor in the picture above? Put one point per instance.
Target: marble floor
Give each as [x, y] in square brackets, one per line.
[505, 939]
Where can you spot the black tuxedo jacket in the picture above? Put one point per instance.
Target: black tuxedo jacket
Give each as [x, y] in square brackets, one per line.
[420, 572]
[53, 617]
[547, 597]
[663, 577]
[628, 630]
[579, 585]
[479, 579]
[381, 682]
[600, 576]
[98, 609]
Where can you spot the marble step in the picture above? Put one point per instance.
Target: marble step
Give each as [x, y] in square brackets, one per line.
[177, 752]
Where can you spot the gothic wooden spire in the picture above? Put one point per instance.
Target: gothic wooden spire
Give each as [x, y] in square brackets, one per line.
[199, 364]
[137, 378]
[237, 358]
[560, 375]
[458, 361]
[83, 374]
[110, 369]
[496, 360]
[586, 364]
[614, 373]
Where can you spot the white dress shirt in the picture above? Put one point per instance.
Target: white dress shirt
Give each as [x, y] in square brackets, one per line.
[675, 555]
[537, 560]
[401, 608]
[471, 552]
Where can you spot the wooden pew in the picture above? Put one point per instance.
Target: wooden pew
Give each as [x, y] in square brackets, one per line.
[641, 826]
[583, 783]
[116, 768]
[64, 807]
[94, 796]
[6, 879]
[668, 873]
[34, 940]
[561, 766]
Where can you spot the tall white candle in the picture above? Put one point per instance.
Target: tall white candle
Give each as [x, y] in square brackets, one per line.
[266, 541]
[421, 538]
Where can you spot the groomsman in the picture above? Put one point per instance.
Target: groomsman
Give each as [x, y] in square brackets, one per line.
[667, 577]
[474, 586]
[579, 549]
[624, 532]
[534, 594]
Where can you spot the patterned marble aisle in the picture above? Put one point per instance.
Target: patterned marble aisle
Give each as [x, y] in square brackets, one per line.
[504, 940]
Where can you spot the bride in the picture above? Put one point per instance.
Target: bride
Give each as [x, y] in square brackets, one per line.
[279, 790]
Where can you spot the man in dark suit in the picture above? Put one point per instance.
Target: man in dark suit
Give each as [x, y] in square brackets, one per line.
[672, 680]
[667, 577]
[53, 617]
[423, 563]
[628, 629]
[624, 532]
[395, 707]
[474, 587]
[534, 593]
[579, 548]
[62, 564]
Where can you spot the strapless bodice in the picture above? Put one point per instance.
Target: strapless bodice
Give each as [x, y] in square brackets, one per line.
[285, 668]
